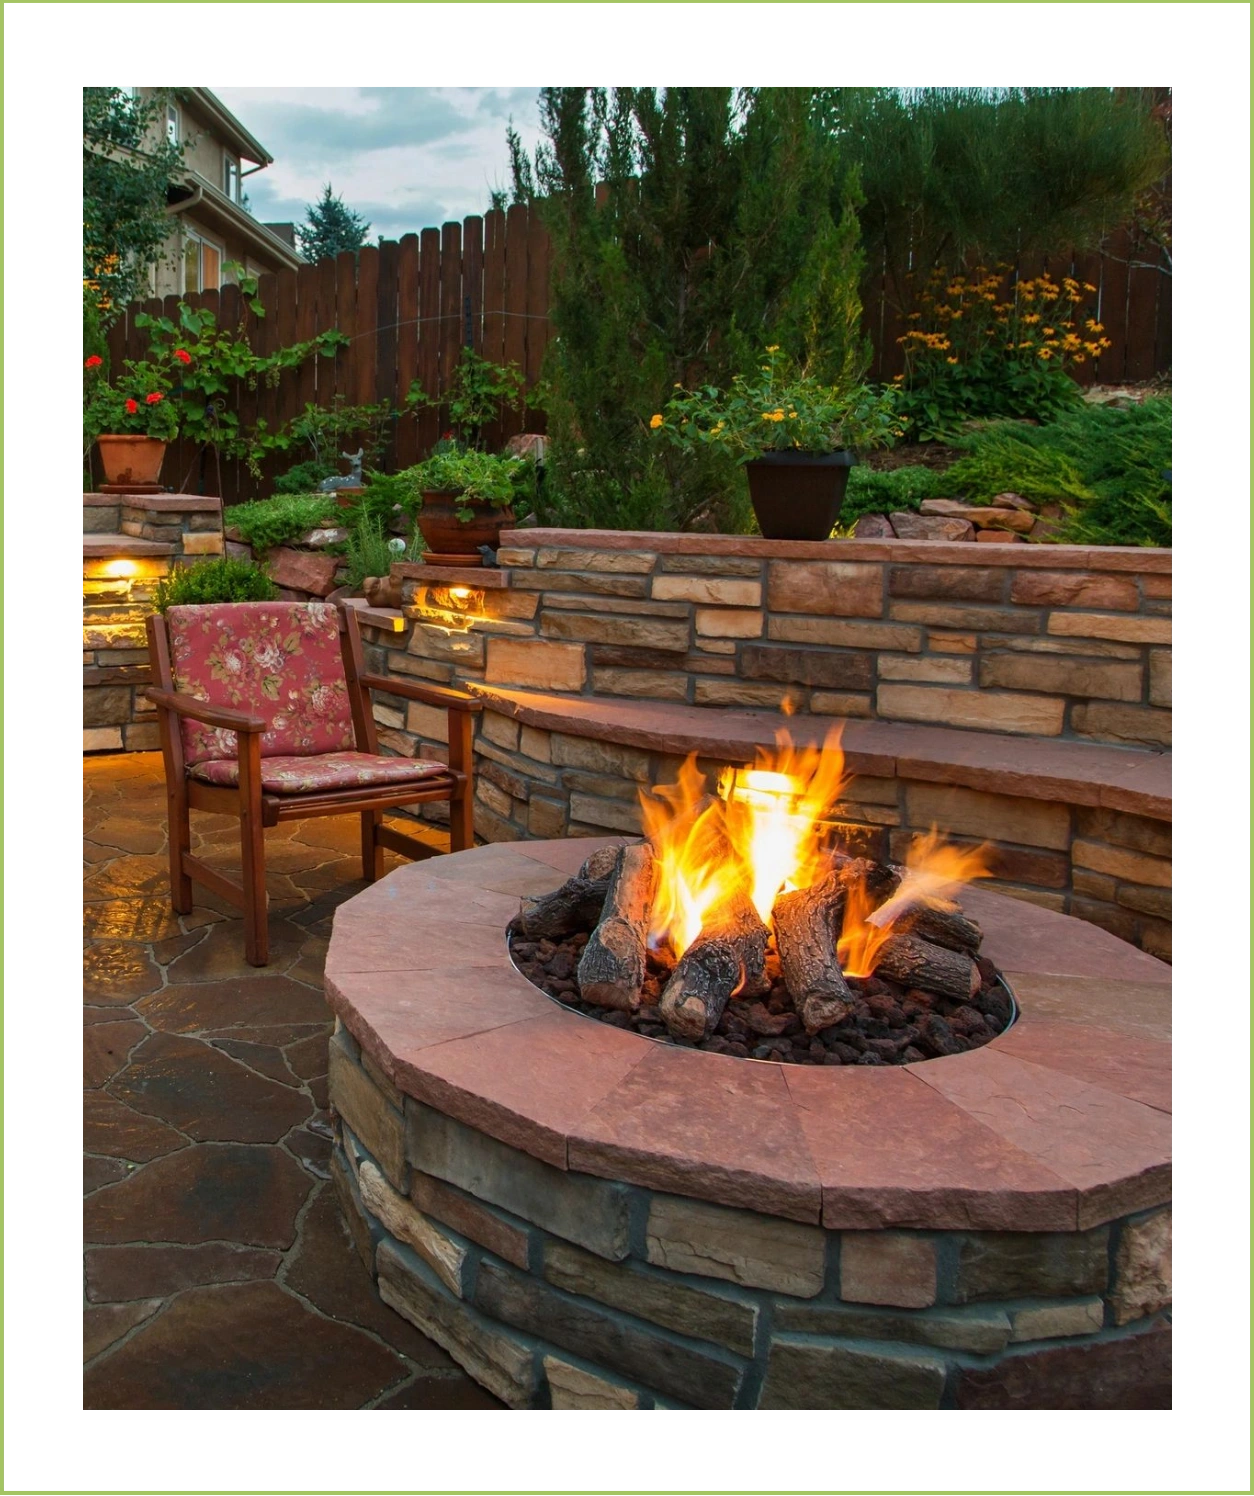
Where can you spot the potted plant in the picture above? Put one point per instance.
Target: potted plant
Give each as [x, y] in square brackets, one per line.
[465, 501]
[796, 436]
[131, 419]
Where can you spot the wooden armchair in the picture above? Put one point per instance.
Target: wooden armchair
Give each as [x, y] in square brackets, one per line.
[264, 713]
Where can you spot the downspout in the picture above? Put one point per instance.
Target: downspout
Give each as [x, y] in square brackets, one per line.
[174, 209]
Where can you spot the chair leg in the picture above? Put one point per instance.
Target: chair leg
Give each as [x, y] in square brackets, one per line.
[371, 851]
[180, 839]
[252, 837]
[461, 822]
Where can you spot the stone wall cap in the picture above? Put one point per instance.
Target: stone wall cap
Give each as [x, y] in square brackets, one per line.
[1047, 557]
[168, 503]
[97, 547]
[1055, 769]
[485, 578]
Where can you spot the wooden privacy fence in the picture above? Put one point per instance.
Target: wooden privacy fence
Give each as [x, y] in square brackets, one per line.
[409, 307]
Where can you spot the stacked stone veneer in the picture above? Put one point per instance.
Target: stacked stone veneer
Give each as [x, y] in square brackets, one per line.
[129, 543]
[1047, 641]
[935, 635]
[558, 1289]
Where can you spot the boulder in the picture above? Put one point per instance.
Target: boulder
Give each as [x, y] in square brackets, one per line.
[1013, 501]
[998, 537]
[982, 516]
[930, 527]
[873, 527]
[303, 571]
[321, 539]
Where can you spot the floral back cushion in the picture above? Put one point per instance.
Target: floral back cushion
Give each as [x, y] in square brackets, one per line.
[280, 661]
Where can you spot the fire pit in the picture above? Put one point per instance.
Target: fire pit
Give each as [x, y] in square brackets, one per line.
[584, 1217]
[742, 926]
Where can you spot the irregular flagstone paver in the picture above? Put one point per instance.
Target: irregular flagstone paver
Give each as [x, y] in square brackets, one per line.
[216, 1192]
[116, 972]
[223, 957]
[246, 1345]
[105, 1050]
[266, 1001]
[117, 1274]
[207, 1094]
[129, 919]
[125, 877]
[98, 1172]
[111, 1128]
[93, 1015]
[103, 1325]
[128, 834]
[265, 1058]
[325, 1269]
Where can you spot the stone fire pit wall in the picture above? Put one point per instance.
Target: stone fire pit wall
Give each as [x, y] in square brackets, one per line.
[585, 1218]
[1013, 693]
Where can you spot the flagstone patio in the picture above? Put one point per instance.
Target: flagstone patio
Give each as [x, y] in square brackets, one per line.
[218, 1272]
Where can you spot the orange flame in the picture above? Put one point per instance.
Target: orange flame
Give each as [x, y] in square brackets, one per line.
[764, 835]
[935, 871]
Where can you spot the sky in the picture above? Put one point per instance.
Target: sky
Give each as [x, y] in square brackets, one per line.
[405, 159]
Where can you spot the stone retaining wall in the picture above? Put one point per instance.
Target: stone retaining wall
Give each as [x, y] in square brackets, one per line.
[129, 543]
[1047, 641]
[559, 1289]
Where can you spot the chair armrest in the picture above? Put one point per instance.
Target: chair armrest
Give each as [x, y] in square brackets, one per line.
[455, 701]
[205, 711]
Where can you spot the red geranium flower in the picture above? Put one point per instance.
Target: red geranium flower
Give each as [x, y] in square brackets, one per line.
[93, 362]
[153, 398]
[182, 355]
[131, 407]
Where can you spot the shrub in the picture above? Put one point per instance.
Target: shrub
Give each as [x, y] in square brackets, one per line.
[1110, 469]
[305, 476]
[901, 490]
[264, 523]
[222, 580]
[369, 552]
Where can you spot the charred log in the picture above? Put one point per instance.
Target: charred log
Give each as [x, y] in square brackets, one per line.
[807, 928]
[942, 924]
[573, 907]
[727, 958]
[915, 962]
[612, 968]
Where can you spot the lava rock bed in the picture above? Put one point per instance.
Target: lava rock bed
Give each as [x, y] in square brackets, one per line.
[888, 1025]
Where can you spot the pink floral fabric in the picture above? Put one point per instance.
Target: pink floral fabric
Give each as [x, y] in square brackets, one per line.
[280, 661]
[292, 775]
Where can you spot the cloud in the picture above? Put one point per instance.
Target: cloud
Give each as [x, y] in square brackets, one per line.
[404, 158]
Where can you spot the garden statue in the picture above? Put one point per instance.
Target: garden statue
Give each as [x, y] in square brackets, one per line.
[353, 477]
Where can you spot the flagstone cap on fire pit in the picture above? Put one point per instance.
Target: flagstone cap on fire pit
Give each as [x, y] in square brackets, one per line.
[1058, 1124]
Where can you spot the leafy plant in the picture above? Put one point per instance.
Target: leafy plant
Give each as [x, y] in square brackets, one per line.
[900, 491]
[980, 347]
[369, 552]
[129, 164]
[779, 409]
[222, 580]
[136, 402]
[264, 523]
[470, 475]
[479, 393]
[327, 429]
[1110, 470]
[304, 477]
[221, 361]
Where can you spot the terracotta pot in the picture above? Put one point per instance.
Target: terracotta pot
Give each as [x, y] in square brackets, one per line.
[447, 535]
[131, 459]
[797, 495]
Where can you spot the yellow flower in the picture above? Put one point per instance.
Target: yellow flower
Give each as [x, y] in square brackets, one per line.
[1087, 287]
[1044, 353]
[951, 360]
[656, 422]
[777, 415]
[1094, 326]
[1048, 331]
[792, 415]
[774, 348]
[716, 428]
[1032, 317]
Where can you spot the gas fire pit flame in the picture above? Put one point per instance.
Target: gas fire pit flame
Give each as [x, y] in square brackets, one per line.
[766, 834]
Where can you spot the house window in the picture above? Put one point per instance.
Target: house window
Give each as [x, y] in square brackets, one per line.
[202, 264]
[172, 123]
[230, 178]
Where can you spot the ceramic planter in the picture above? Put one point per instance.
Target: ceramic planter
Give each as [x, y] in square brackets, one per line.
[797, 495]
[131, 459]
[446, 535]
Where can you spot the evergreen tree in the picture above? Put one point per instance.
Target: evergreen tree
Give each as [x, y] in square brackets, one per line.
[330, 228]
[690, 228]
[128, 167]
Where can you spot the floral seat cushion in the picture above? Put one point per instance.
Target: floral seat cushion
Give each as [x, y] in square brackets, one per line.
[289, 774]
[279, 661]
